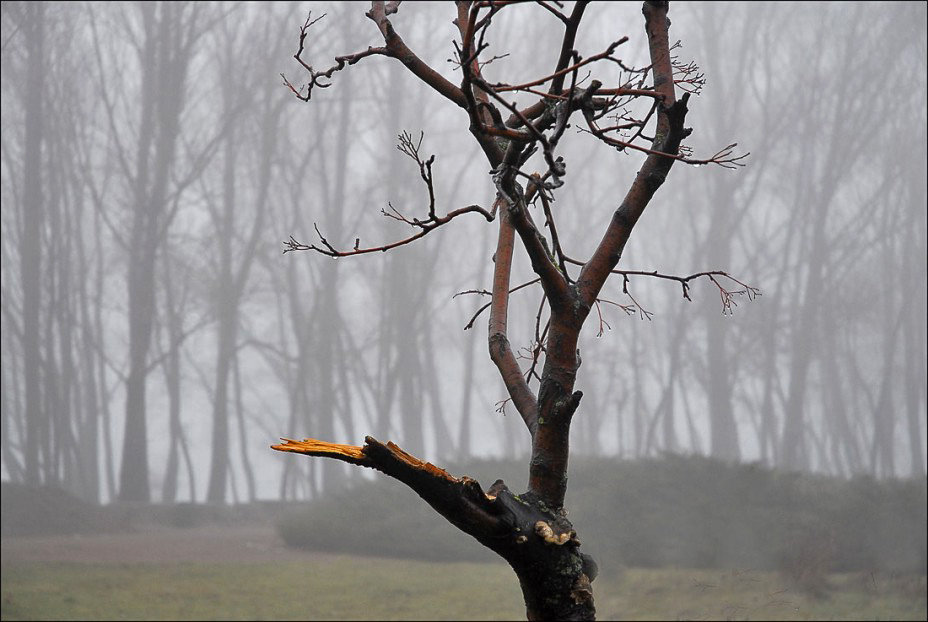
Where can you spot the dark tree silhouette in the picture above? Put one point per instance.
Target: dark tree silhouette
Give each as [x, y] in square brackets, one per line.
[531, 530]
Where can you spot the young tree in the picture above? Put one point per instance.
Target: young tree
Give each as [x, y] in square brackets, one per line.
[531, 530]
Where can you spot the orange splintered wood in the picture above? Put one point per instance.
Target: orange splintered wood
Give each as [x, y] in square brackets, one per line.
[414, 462]
[313, 447]
[357, 455]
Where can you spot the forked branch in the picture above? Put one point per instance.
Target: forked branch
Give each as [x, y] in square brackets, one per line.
[321, 78]
[395, 48]
[424, 226]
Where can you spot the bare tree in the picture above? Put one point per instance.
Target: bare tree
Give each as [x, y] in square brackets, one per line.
[245, 104]
[531, 530]
[30, 240]
[47, 312]
[164, 37]
[824, 239]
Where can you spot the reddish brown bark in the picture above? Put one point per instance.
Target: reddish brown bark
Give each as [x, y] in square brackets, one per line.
[500, 351]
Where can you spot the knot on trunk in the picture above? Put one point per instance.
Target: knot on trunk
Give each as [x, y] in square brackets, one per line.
[546, 533]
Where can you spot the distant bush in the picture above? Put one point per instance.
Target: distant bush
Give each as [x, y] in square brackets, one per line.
[686, 511]
[45, 510]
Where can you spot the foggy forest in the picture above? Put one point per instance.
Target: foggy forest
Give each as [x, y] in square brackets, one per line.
[178, 190]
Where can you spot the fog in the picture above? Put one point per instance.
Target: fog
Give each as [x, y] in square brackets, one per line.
[156, 340]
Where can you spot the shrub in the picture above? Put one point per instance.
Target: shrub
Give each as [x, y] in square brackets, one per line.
[686, 511]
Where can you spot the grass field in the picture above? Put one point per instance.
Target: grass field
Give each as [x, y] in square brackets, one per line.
[355, 588]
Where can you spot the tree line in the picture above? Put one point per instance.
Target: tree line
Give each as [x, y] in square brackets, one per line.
[155, 340]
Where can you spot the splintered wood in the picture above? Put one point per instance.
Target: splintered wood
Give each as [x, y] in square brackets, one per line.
[415, 463]
[389, 453]
[314, 447]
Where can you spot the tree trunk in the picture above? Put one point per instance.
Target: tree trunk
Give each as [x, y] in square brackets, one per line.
[31, 244]
[133, 475]
[723, 429]
[165, 59]
[172, 382]
[226, 306]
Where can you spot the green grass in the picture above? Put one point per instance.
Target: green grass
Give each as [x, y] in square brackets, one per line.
[678, 594]
[344, 587]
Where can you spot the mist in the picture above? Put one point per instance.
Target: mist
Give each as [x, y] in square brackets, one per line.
[156, 339]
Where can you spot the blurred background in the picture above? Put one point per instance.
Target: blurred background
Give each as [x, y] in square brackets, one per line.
[156, 340]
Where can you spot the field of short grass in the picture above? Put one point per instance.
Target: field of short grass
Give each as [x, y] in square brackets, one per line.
[357, 588]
